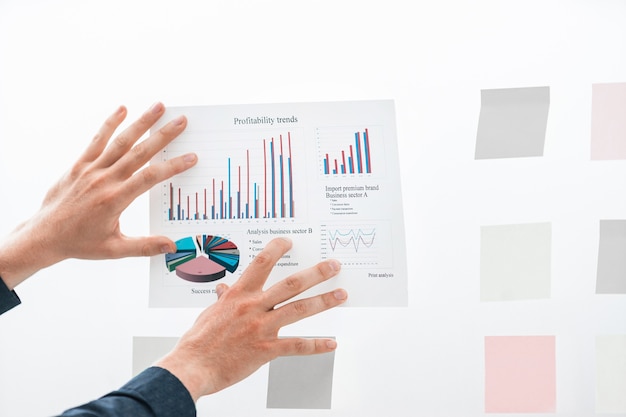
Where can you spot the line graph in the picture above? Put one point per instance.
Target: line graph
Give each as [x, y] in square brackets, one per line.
[351, 238]
[357, 244]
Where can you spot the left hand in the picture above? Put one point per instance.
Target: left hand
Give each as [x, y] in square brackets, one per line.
[79, 217]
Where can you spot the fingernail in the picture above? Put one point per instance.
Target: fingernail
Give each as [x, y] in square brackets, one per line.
[334, 265]
[340, 294]
[331, 344]
[178, 121]
[165, 249]
[156, 108]
[190, 157]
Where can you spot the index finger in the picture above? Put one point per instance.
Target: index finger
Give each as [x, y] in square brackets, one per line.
[255, 275]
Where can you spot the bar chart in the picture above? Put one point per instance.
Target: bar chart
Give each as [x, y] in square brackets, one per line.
[252, 179]
[345, 150]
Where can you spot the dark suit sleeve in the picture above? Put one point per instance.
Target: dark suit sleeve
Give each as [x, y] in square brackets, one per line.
[153, 393]
[8, 299]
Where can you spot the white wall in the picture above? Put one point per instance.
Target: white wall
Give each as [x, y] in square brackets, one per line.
[65, 65]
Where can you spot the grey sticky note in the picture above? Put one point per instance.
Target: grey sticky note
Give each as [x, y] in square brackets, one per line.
[515, 262]
[512, 122]
[147, 350]
[301, 382]
[611, 276]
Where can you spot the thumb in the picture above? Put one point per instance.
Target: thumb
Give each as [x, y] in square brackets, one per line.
[148, 246]
[220, 289]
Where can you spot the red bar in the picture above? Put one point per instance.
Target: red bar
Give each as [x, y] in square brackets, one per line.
[352, 159]
[264, 178]
[293, 212]
[248, 178]
[359, 153]
[282, 177]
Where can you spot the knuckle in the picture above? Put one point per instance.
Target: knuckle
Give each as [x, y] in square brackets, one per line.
[300, 307]
[146, 250]
[263, 259]
[98, 137]
[323, 269]
[139, 152]
[97, 183]
[75, 171]
[328, 301]
[146, 119]
[121, 141]
[301, 346]
[175, 165]
[243, 307]
[284, 244]
[293, 284]
[149, 176]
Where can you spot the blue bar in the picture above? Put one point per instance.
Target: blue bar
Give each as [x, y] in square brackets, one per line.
[366, 139]
[221, 204]
[282, 187]
[239, 204]
[357, 142]
[229, 210]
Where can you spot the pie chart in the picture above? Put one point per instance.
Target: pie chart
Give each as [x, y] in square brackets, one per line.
[204, 258]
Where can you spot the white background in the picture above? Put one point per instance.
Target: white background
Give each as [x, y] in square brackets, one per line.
[66, 65]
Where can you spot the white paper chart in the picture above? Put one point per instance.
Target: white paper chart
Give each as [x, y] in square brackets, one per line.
[324, 174]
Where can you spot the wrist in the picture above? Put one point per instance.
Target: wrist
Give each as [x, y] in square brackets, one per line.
[192, 376]
[23, 253]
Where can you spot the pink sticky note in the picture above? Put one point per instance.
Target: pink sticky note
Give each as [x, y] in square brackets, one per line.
[608, 124]
[520, 374]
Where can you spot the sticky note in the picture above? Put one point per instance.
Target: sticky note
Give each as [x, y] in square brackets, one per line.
[515, 262]
[520, 374]
[608, 124]
[611, 276]
[611, 374]
[512, 122]
[301, 382]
